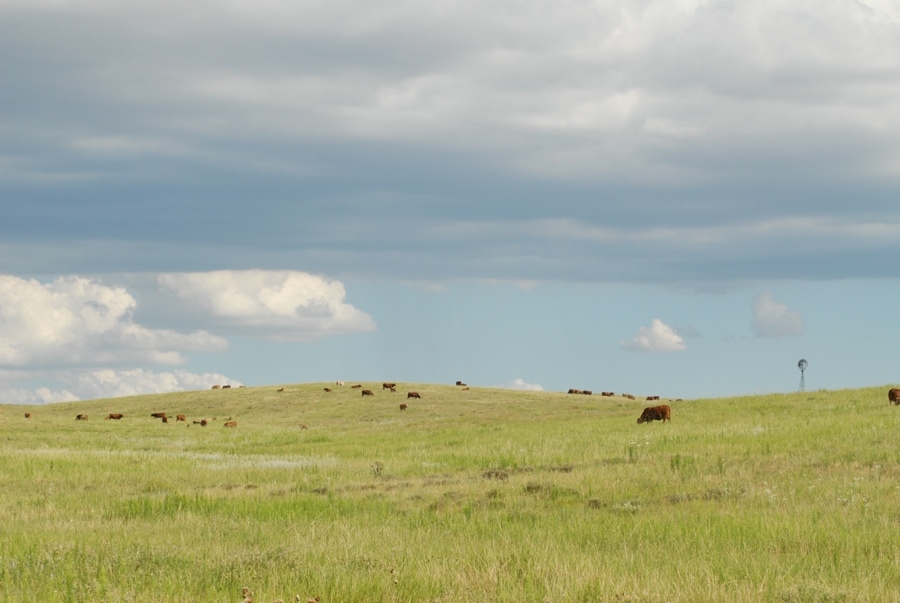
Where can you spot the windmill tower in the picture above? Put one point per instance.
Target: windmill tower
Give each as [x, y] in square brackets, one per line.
[802, 366]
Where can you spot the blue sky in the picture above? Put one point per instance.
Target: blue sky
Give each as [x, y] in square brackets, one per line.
[672, 198]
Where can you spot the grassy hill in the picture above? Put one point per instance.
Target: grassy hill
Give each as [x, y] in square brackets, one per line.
[480, 494]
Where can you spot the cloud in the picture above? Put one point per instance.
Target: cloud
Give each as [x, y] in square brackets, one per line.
[521, 384]
[278, 304]
[79, 321]
[72, 386]
[658, 337]
[774, 319]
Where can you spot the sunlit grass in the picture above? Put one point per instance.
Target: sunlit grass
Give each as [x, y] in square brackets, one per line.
[484, 494]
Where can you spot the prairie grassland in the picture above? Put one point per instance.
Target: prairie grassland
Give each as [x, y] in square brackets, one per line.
[481, 495]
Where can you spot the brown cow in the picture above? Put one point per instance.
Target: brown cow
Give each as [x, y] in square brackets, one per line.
[607, 394]
[280, 389]
[27, 415]
[215, 387]
[460, 383]
[656, 413]
[403, 407]
[389, 386]
[574, 391]
[158, 415]
[180, 418]
[226, 387]
[629, 396]
[652, 397]
[230, 424]
[368, 392]
[357, 386]
[113, 415]
[327, 389]
[81, 418]
[413, 395]
[586, 392]
[894, 396]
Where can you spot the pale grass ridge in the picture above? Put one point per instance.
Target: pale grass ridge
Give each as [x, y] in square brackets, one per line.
[475, 495]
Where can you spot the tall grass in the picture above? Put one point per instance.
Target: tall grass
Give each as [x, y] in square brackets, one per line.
[484, 494]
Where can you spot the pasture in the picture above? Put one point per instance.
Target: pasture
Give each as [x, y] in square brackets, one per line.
[475, 495]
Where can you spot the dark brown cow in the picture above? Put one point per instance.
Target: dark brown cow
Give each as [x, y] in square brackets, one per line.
[280, 389]
[357, 386]
[586, 392]
[368, 392]
[180, 418]
[413, 395]
[226, 387]
[389, 386]
[460, 383]
[27, 415]
[81, 418]
[652, 397]
[574, 391]
[894, 396]
[629, 396]
[607, 394]
[113, 415]
[158, 415]
[230, 424]
[656, 413]
[403, 407]
[327, 389]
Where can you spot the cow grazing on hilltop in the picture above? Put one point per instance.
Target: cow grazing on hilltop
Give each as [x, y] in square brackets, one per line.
[389, 386]
[215, 387]
[413, 395]
[656, 413]
[114, 416]
[81, 418]
[460, 383]
[894, 396]
[607, 394]
[368, 392]
[586, 392]
[652, 397]
[629, 396]
[230, 424]
[226, 387]
[573, 391]
[181, 418]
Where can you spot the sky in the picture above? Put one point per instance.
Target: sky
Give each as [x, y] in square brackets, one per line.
[661, 197]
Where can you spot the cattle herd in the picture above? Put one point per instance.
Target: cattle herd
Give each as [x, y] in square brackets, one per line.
[662, 412]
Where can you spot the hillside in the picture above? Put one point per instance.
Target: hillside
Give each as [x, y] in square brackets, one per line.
[483, 494]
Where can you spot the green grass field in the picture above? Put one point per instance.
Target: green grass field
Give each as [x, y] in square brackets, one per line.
[479, 495]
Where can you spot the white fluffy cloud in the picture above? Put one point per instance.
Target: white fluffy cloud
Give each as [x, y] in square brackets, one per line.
[521, 384]
[77, 320]
[774, 319]
[281, 304]
[71, 386]
[658, 337]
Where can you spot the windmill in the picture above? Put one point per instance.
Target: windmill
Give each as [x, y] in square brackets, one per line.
[802, 366]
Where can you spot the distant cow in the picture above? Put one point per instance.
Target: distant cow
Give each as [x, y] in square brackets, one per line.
[656, 413]
[327, 389]
[165, 419]
[27, 415]
[586, 392]
[226, 387]
[413, 395]
[368, 392]
[629, 396]
[339, 383]
[894, 396]
[280, 389]
[215, 387]
[158, 415]
[574, 391]
[460, 383]
[180, 418]
[230, 424]
[607, 394]
[389, 386]
[652, 397]
[113, 415]
[81, 418]
[356, 386]
[403, 407]
[465, 389]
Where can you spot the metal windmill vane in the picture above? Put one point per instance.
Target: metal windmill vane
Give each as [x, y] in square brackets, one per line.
[802, 366]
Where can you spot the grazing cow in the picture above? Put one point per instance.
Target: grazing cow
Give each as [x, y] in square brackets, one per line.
[607, 394]
[465, 389]
[158, 415]
[368, 392]
[113, 415]
[574, 391]
[629, 396]
[413, 395]
[230, 424]
[652, 397]
[226, 387]
[460, 384]
[339, 383]
[403, 407]
[280, 389]
[181, 418]
[586, 392]
[656, 413]
[357, 386]
[389, 386]
[165, 419]
[215, 387]
[327, 389]
[27, 415]
[894, 396]
[81, 418]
